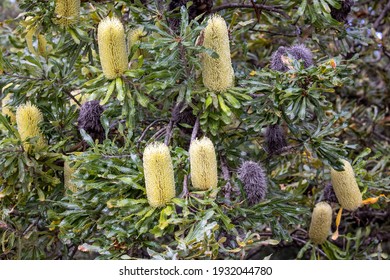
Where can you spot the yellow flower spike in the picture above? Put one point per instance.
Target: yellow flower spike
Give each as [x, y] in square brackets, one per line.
[346, 188]
[217, 73]
[6, 109]
[158, 172]
[67, 12]
[112, 47]
[135, 35]
[321, 220]
[68, 173]
[28, 119]
[335, 235]
[203, 162]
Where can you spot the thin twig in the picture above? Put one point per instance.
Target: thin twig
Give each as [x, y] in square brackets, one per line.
[382, 15]
[146, 130]
[195, 129]
[168, 134]
[275, 9]
[185, 192]
[304, 242]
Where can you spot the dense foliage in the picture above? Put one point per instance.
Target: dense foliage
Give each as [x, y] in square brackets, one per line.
[82, 193]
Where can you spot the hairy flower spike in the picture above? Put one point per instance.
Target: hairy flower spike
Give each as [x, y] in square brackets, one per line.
[346, 188]
[254, 180]
[28, 119]
[342, 13]
[321, 221]
[298, 52]
[158, 172]
[112, 47]
[67, 12]
[6, 109]
[68, 174]
[89, 119]
[275, 139]
[203, 161]
[135, 35]
[217, 73]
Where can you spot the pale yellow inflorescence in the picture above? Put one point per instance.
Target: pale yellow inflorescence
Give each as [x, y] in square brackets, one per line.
[158, 172]
[203, 163]
[28, 119]
[346, 188]
[321, 221]
[6, 109]
[135, 35]
[112, 47]
[217, 73]
[67, 12]
[68, 173]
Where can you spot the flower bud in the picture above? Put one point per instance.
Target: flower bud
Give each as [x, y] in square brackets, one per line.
[28, 119]
[203, 163]
[217, 73]
[321, 221]
[254, 180]
[112, 47]
[346, 188]
[158, 172]
[135, 35]
[67, 12]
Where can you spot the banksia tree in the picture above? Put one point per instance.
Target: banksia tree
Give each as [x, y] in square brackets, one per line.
[254, 180]
[217, 73]
[298, 52]
[89, 119]
[346, 188]
[112, 47]
[321, 221]
[275, 139]
[203, 164]
[158, 172]
[6, 109]
[28, 119]
[67, 12]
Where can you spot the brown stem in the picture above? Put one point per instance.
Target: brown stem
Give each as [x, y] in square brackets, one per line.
[275, 9]
[195, 129]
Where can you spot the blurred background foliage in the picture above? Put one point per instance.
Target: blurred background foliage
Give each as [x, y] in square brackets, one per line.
[336, 108]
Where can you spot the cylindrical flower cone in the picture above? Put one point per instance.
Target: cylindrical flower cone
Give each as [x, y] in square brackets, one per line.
[112, 47]
[217, 73]
[28, 119]
[158, 172]
[346, 188]
[135, 35]
[67, 12]
[68, 173]
[253, 177]
[321, 221]
[203, 162]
